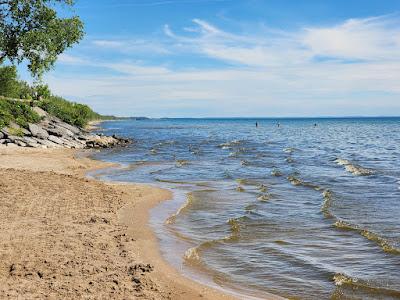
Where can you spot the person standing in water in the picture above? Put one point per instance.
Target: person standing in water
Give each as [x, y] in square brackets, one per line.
[256, 124]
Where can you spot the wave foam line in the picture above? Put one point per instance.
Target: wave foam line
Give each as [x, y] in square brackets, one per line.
[296, 182]
[193, 255]
[189, 201]
[353, 168]
[342, 280]
[372, 236]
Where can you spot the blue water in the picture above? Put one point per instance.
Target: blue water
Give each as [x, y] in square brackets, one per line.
[302, 208]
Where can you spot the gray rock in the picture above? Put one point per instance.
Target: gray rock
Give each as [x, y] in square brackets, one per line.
[2, 141]
[48, 143]
[55, 139]
[59, 131]
[40, 111]
[31, 142]
[1, 135]
[38, 131]
[20, 143]
[14, 138]
[71, 128]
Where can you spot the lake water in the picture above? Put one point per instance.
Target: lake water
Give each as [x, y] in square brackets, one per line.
[302, 208]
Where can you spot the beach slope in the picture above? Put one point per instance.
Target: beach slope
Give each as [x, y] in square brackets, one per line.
[65, 236]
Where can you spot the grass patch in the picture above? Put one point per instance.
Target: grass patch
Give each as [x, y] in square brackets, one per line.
[18, 112]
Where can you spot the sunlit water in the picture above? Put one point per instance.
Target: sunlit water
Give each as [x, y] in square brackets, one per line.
[308, 209]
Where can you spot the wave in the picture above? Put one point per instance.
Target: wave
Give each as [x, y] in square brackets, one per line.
[326, 205]
[289, 150]
[361, 287]
[276, 173]
[353, 168]
[264, 197]
[289, 160]
[240, 189]
[228, 145]
[181, 163]
[296, 182]
[262, 188]
[386, 245]
[193, 255]
[189, 201]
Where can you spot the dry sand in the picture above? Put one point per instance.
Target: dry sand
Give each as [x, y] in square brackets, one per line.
[65, 236]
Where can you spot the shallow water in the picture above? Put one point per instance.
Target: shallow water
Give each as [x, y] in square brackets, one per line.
[299, 210]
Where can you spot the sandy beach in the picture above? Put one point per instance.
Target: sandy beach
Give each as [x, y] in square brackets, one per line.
[65, 236]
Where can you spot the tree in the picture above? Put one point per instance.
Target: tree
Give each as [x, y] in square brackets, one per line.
[42, 91]
[32, 30]
[9, 85]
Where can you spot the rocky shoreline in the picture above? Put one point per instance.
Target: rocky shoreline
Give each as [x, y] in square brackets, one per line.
[51, 132]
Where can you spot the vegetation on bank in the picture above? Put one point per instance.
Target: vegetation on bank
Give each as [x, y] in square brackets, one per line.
[70, 112]
[16, 98]
[17, 112]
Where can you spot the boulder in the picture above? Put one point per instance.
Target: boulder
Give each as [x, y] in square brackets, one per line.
[2, 135]
[14, 138]
[40, 112]
[2, 141]
[71, 128]
[31, 142]
[55, 139]
[20, 143]
[59, 131]
[38, 131]
[47, 143]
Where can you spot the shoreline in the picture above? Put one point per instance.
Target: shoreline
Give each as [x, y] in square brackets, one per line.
[59, 243]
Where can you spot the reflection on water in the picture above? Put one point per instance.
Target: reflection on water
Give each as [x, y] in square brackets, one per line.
[296, 210]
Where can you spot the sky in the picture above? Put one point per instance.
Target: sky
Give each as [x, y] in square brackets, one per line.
[235, 58]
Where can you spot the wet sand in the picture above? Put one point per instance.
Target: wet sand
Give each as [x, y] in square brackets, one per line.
[65, 236]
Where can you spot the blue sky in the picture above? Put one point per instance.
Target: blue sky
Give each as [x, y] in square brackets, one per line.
[255, 58]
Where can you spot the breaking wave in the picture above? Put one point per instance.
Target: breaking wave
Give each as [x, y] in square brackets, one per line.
[353, 168]
[361, 287]
[193, 255]
[189, 201]
[386, 245]
[296, 182]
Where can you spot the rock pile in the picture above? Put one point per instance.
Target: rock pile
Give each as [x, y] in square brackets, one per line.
[51, 132]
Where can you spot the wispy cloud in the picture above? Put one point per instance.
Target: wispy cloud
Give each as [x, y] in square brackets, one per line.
[349, 68]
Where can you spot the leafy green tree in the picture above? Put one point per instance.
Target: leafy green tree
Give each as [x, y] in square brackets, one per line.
[9, 85]
[32, 30]
[42, 91]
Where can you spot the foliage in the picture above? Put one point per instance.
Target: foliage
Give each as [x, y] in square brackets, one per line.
[9, 85]
[18, 112]
[70, 112]
[32, 30]
[42, 91]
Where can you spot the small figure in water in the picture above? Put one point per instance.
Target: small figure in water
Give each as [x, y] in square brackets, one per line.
[279, 124]
[256, 124]
[315, 124]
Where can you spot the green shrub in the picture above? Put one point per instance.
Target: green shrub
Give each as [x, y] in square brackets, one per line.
[18, 112]
[70, 112]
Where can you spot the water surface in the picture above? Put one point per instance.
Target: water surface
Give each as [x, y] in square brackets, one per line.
[302, 208]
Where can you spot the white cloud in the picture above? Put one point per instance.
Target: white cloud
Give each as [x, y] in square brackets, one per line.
[366, 39]
[350, 68]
